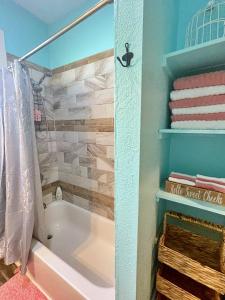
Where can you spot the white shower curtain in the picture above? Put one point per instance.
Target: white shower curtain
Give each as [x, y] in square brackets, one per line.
[21, 208]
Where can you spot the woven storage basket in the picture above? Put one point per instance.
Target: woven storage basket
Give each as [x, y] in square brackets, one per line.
[194, 254]
[173, 285]
[161, 297]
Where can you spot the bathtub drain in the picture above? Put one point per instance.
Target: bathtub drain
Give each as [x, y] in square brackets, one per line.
[50, 236]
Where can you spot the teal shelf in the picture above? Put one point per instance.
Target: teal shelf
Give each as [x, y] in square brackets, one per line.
[191, 60]
[192, 131]
[206, 206]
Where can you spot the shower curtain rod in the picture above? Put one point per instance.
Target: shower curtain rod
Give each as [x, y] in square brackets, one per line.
[78, 20]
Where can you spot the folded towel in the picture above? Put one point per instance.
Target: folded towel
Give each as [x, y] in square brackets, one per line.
[210, 186]
[182, 176]
[182, 181]
[198, 125]
[216, 180]
[197, 92]
[199, 117]
[199, 110]
[207, 79]
[200, 101]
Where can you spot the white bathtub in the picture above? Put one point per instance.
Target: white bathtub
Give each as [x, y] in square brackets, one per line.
[79, 260]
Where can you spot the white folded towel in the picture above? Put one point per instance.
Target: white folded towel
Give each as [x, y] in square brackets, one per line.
[210, 186]
[199, 110]
[211, 179]
[197, 92]
[198, 125]
[182, 181]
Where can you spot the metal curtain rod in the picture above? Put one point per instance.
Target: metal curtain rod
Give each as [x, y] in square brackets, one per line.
[55, 36]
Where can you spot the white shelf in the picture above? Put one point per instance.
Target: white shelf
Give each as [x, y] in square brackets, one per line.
[193, 59]
[193, 131]
[206, 206]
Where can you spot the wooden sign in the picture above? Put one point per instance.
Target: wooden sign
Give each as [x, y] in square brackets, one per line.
[195, 193]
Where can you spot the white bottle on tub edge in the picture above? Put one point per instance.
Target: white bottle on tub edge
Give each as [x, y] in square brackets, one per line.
[58, 194]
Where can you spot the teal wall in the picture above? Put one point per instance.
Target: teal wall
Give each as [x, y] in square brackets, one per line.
[22, 31]
[187, 8]
[94, 35]
[129, 28]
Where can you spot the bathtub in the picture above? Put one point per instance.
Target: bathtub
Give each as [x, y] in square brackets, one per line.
[79, 260]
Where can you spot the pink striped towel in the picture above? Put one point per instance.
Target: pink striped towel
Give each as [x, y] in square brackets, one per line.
[200, 101]
[210, 186]
[182, 178]
[215, 180]
[182, 181]
[211, 183]
[199, 117]
[202, 80]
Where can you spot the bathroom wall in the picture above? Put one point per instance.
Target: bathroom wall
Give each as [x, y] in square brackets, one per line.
[185, 13]
[83, 107]
[94, 35]
[75, 138]
[23, 31]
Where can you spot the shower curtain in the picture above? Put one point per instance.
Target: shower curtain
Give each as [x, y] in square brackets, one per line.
[21, 208]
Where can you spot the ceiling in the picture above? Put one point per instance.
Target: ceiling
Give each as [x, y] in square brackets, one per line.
[51, 10]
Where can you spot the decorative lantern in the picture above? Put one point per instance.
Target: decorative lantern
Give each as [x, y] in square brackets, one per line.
[207, 24]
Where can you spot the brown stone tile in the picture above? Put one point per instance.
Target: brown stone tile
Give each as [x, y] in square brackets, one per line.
[94, 150]
[49, 188]
[65, 128]
[106, 188]
[51, 127]
[89, 125]
[59, 122]
[87, 194]
[68, 122]
[84, 61]
[50, 123]
[98, 175]
[87, 162]
[98, 209]
[66, 187]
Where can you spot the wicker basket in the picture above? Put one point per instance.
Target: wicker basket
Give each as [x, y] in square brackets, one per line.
[197, 255]
[173, 285]
[161, 297]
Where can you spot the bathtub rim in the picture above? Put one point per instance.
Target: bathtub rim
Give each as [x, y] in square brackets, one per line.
[86, 211]
[62, 269]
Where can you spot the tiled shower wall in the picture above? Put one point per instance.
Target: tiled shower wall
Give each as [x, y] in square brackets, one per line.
[83, 110]
[76, 139]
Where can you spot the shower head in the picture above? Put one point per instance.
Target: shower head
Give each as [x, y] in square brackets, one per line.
[36, 87]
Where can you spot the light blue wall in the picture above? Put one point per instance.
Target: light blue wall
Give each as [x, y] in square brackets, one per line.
[22, 31]
[94, 35]
[129, 28]
[187, 8]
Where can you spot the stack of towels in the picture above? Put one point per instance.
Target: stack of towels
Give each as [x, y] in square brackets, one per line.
[198, 102]
[205, 182]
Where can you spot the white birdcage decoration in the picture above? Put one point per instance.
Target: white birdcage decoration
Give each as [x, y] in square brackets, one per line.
[207, 24]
